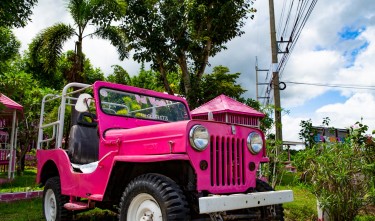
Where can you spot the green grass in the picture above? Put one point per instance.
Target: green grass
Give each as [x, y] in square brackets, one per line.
[303, 207]
[32, 210]
[26, 210]
[25, 182]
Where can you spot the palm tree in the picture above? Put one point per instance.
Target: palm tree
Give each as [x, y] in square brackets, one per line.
[46, 47]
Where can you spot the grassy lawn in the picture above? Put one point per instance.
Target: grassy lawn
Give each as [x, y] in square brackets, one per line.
[31, 210]
[303, 207]
[23, 183]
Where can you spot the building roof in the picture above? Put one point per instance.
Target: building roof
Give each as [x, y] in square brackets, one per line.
[9, 103]
[224, 103]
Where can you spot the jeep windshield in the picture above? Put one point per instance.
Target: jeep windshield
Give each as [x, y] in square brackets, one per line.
[128, 104]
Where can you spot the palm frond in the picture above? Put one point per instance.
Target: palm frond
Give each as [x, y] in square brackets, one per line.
[81, 12]
[117, 38]
[35, 48]
[47, 46]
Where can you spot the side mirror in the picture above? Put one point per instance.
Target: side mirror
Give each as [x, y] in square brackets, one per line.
[83, 102]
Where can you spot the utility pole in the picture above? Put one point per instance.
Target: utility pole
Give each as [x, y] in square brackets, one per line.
[257, 79]
[275, 74]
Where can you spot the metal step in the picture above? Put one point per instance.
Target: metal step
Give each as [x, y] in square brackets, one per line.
[76, 206]
[95, 197]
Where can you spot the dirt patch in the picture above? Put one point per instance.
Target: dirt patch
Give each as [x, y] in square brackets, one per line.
[369, 210]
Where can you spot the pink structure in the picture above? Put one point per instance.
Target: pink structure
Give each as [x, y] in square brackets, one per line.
[228, 110]
[8, 133]
[141, 151]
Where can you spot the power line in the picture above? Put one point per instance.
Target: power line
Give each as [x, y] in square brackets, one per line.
[291, 31]
[304, 10]
[364, 87]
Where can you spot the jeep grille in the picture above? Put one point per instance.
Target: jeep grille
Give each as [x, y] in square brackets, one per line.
[227, 163]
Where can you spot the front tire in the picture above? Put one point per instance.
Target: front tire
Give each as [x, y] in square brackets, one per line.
[273, 212]
[265, 213]
[153, 197]
[53, 201]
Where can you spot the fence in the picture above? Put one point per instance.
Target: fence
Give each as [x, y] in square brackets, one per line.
[4, 159]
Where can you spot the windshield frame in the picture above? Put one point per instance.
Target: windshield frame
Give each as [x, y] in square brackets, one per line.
[141, 95]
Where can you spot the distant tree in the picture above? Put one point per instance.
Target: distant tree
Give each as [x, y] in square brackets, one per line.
[182, 35]
[220, 81]
[147, 79]
[46, 47]
[9, 46]
[66, 67]
[15, 13]
[25, 90]
[266, 122]
[93, 74]
[119, 75]
[308, 132]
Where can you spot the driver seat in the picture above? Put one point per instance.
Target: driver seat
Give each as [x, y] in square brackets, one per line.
[84, 140]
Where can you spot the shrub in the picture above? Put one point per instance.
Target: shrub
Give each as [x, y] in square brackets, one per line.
[339, 175]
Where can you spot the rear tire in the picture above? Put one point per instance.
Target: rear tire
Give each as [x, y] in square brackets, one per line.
[53, 202]
[153, 197]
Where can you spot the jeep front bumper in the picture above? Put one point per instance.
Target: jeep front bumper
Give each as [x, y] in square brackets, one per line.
[219, 203]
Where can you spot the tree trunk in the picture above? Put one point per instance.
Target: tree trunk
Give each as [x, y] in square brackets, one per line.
[185, 74]
[77, 77]
[164, 76]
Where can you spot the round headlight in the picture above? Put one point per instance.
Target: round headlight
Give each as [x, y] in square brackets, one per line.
[254, 142]
[199, 137]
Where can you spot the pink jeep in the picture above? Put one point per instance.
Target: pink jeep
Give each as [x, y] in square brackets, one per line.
[139, 153]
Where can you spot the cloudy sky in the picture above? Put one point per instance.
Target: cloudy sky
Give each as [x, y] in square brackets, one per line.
[336, 47]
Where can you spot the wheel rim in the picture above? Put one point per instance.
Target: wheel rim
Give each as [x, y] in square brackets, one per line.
[50, 208]
[144, 208]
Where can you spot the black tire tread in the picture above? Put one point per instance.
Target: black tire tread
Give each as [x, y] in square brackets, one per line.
[62, 213]
[262, 186]
[175, 202]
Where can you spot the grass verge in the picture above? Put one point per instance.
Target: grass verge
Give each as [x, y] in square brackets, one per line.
[23, 183]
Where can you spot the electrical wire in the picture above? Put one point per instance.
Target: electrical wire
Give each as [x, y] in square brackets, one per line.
[300, 22]
[291, 31]
[333, 85]
[281, 17]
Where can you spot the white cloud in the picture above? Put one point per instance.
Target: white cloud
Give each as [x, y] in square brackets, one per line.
[309, 67]
[291, 127]
[359, 106]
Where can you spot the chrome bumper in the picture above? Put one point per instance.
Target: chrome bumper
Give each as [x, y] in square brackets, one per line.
[219, 203]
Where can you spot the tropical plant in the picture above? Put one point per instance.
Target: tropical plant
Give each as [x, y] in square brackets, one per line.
[275, 169]
[46, 47]
[182, 35]
[338, 175]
